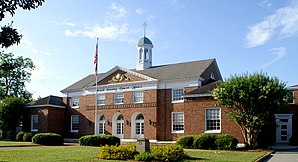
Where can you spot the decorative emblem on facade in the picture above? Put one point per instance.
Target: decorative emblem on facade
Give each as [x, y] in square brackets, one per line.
[118, 78]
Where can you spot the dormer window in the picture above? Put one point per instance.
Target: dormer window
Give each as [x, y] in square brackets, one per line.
[212, 75]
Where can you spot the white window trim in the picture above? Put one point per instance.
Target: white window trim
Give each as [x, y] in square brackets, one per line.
[177, 101]
[212, 131]
[115, 99]
[293, 101]
[72, 99]
[71, 130]
[133, 98]
[33, 130]
[104, 97]
[172, 123]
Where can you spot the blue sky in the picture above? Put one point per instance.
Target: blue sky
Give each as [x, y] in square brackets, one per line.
[243, 36]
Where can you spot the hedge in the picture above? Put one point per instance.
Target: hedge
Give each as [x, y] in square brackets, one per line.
[204, 141]
[19, 136]
[167, 153]
[49, 139]
[186, 141]
[117, 152]
[225, 142]
[99, 140]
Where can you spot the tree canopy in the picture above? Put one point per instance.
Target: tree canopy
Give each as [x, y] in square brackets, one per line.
[11, 110]
[14, 73]
[251, 98]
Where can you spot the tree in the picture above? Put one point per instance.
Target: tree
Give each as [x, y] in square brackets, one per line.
[11, 5]
[251, 98]
[9, 35]
[14, 73]
[11, 110]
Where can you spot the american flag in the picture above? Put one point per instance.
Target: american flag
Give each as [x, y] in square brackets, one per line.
[96, 59]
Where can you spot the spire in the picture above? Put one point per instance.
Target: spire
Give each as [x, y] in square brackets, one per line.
[145, 25]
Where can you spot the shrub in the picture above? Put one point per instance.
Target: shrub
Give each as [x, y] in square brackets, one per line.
[204, 141]
[99, 140]
[186, 141]
[28, 136]
[167, 153]
[144, 156]
[118, 152]
[50, 139]
[19, 136]
[225, 142]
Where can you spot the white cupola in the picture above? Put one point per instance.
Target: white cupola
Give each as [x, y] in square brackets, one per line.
[144, 53]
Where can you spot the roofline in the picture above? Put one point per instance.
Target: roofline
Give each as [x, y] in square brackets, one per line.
[47, 105]
[292, 88]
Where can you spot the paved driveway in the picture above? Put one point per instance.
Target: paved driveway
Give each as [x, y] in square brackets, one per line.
[285, 155]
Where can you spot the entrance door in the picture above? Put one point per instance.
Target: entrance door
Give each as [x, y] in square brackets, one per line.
[119, 126]
[139, 127]
[283, 127]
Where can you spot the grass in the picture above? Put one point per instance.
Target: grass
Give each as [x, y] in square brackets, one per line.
[16, 144]
[87, 153]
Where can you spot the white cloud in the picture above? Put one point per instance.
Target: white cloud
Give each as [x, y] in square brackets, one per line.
[118, 10]
[108, 31]
[139, 11]
[265, 4]
[176, 4]
[284, 23]
[278, 53]
[72, 24]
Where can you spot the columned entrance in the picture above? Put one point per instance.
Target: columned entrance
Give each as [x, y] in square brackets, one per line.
[283, 127]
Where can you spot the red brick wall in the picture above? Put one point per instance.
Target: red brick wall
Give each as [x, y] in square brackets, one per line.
[56, 120]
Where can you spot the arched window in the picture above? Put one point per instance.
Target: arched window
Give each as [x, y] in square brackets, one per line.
[119, 126]
[212, 75]
[146, 54]
[101, 125]
[140, 53]
[139, 126]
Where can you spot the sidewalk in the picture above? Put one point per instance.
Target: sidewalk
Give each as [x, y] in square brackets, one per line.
[283, 153]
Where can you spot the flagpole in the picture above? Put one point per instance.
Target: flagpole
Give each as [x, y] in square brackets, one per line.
[96, 69]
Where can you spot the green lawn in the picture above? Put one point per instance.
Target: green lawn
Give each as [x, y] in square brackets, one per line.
[86, 153]
[16, 144]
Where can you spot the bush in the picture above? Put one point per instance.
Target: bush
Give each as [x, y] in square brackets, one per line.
[118, 153]
[19, 136]
[99, 140]
[167, 153]
[186, 141]
[204, 141]
[49, 139]
[28, 136]
[225, 142]
[144, 156]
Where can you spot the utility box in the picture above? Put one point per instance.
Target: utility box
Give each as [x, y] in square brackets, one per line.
[143, 145]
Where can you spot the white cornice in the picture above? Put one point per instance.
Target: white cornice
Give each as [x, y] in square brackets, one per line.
[47, 105]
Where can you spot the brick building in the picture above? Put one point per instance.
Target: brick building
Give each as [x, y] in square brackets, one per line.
[160, 103]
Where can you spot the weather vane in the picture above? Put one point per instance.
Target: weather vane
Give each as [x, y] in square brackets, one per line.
[145, 25]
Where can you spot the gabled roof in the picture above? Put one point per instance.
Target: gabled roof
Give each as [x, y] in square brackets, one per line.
[163, 72]
[53, 101]
[203, 91]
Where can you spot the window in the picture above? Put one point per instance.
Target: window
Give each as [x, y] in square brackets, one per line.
[74, 123]
[140, 53]
[146, 54]
[212, 120]
[34, 123]
[290, 97]
[138, 97]
[75, 102]
[118, 98]
[119, 125]
[178, 122]
[101, 99]
[212, 75]
[101, 125]
[139, 125]
[177, 95]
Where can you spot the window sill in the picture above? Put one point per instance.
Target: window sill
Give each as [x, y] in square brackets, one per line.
[74, 131]
[213, 131]
[138, 102]
[182, 131]
[34, 130]
[180, 101]
[75, 107]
